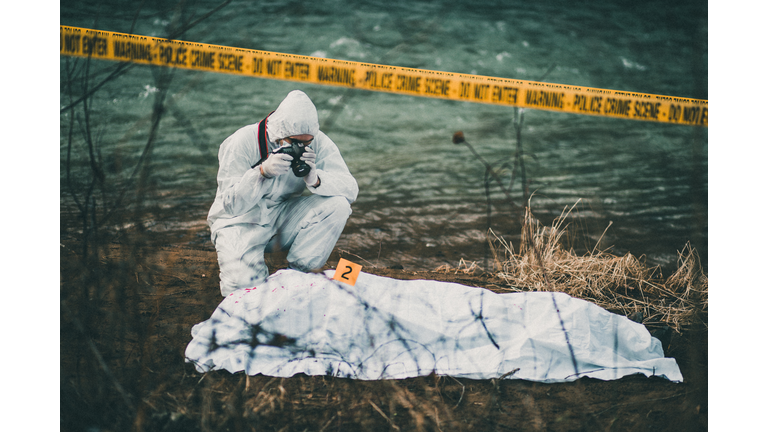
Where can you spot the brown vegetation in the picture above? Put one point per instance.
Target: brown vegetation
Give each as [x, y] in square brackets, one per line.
[621, 284]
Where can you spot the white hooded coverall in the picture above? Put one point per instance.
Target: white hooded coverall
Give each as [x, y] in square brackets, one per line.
[252, 212]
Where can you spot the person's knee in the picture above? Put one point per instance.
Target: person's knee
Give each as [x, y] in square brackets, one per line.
[338, 206]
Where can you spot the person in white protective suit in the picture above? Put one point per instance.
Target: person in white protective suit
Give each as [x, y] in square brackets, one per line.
[260, 204]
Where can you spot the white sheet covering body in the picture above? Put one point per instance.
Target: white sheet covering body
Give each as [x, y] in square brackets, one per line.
[384, 328]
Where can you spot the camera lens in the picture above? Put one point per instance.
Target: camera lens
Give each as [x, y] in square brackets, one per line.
[301, 169]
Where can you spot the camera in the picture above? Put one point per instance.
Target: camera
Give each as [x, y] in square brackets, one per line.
[295, 149]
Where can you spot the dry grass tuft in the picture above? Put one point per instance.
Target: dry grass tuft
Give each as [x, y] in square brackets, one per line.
[621, 284]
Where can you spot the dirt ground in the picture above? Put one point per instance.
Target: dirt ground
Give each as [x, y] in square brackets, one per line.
[122, 368]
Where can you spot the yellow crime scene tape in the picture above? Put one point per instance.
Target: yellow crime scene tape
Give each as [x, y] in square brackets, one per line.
[82, 42]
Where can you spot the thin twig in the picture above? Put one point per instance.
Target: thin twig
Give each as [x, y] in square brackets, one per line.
[378, 410]
[462, 391]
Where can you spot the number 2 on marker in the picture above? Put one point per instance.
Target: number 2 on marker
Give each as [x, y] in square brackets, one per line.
[347, 272]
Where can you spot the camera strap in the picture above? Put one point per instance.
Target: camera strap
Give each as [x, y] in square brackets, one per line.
[263, 148]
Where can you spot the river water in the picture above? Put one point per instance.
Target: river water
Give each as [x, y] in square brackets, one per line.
[637, 187]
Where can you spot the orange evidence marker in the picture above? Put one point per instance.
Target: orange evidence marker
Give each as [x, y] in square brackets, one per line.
[347, 272]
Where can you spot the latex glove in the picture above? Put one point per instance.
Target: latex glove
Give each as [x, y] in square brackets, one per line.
[276, 164]
[309, 157]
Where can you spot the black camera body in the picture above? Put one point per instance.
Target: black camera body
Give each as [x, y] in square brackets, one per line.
[300, 168]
